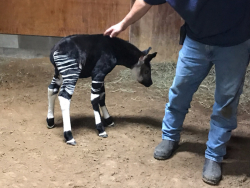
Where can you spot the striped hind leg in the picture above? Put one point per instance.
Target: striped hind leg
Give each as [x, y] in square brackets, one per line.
[53, 89]
[108, 120]
[70, 72]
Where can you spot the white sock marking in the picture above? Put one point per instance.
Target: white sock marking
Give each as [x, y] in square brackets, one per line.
[72, 141]
[51, 101]
[102, 134]
[65, 106]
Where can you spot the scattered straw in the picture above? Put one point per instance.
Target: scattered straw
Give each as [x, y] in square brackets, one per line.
[163, 75]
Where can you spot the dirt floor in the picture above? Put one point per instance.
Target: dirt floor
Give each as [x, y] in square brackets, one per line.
[33, 156]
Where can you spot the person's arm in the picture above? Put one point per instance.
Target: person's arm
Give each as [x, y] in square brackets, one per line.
[139, 9]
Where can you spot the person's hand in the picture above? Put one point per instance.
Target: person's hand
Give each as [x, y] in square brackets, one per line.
[114, 30]
[138, 10]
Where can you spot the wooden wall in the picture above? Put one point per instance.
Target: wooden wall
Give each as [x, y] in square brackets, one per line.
[61, 17]
[159, 28]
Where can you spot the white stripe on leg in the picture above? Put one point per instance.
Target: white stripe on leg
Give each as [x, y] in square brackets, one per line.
[65, 105]
[97, 117]
[51, 101]
[96, 113]
[93, 96]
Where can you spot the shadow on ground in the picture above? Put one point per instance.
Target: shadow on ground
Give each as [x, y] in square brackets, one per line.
[236, 162]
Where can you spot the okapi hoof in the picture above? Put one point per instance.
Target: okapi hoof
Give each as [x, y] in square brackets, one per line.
[101, 130]
[109, 122]
[103, 134]
[69, 138]
[50, 123]
[71, 142]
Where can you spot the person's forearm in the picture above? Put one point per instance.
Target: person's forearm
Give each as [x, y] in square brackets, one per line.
[138, 10]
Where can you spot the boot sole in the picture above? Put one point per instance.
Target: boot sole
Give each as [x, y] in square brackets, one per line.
[161, 157]
[211, 182]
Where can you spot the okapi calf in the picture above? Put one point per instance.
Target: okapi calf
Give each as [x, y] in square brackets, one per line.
[82, 56]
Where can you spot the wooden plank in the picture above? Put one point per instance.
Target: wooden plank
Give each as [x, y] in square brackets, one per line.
[159, 28]
[61, 17]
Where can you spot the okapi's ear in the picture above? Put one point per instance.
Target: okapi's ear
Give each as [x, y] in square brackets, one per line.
[149, 57]
[145, 52]
[152, 55]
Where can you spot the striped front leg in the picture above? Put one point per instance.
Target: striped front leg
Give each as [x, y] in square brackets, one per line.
[108, 120]
[95, 99]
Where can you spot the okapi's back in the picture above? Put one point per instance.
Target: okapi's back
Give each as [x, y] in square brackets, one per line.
[96, 44]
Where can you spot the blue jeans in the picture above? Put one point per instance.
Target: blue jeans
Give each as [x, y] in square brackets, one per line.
[194, 62]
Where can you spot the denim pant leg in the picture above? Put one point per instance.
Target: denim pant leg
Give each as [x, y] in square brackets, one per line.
[192, 67]
[230, 66]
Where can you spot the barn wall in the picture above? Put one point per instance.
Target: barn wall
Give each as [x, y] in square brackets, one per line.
[60, 17]
[30, 28]
[31, 22]
[26, 46]
[159, 28]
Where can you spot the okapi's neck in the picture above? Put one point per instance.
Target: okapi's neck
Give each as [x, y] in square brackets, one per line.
[130, 61]
[128, 55]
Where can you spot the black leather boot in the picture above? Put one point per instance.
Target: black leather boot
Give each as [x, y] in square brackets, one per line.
[165, 149]
[211, 172]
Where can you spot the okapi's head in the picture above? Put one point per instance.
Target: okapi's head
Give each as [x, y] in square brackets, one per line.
[142, 70]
